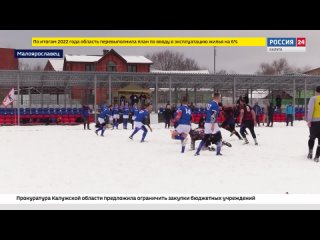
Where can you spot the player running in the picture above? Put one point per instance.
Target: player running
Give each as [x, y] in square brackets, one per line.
[104, 115]
[141, 120]
[229, 121]
[116, 116]
[247, 120]
[134, 113]
[183, 123]
[211, 127]
[314, 124]
[125, 115]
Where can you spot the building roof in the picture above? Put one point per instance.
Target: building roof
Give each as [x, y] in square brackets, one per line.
[82, 58]
[314, 71]
[57, 64]
[96, 58]
[181, 72]
[137, 59]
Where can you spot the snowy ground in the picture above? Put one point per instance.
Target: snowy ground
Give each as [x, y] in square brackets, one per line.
[67, 159]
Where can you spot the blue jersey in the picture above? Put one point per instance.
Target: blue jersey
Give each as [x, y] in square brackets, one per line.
[185, 115]
[126, 111]
[143, 114]
[85, 111]
[106, 112]
[135, 111]
[212, 107]
[115, 111]
[102, 107]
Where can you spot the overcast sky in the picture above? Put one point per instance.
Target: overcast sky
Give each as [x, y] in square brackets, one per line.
[238, 59]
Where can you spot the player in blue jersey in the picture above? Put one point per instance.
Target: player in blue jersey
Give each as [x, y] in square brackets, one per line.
[141, 120]
[183, 123]
[134, 113]
[125, 115]
[102, 120]
[211, 127]
[116, 116]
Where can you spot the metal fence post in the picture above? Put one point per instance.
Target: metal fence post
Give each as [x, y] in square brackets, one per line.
[18, 100]
[41, 96]
[170, 90]
[156, 95]
[234, 91]
[305, 99]
[29, 93]
[110, 89]
[95, 98]
[294, 97]
[65, 95]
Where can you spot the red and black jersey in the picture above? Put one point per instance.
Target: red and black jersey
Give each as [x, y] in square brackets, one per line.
[247, 115]
[228, 112]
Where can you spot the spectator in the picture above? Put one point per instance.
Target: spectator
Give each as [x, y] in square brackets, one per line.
[278, 103]
[238, 101]
[122, 100]
[143, 99]
[135, 99]
[173, 111]
[257, 111]
[270, 114]
[290, 111]
[167, 115]
[246, 98]
[86, 115]
[192, 107]
[132, 99]
[265, 113]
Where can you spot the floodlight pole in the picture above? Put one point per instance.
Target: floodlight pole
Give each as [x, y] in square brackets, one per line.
[18, 100]
[214, 58]
[305, 99]
[95, 98]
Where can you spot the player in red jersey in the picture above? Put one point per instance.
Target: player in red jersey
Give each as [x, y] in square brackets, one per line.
[247, 120]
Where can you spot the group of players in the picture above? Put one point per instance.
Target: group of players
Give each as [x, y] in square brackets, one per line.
[212, 133]
[182, 122]
[111, 114]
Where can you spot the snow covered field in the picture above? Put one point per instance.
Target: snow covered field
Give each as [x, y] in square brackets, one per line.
[67, 159]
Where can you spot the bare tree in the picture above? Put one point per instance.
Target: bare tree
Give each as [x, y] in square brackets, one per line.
[23, 66]
[278, 67]
[170, 61]
[303, 70]
[38, 67]
[222, 72]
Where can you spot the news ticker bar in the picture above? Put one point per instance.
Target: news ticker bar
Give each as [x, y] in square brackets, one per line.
[169, 41]
[148, 41]
[111, 199]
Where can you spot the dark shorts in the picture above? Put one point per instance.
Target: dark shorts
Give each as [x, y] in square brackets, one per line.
[215, 138]
[248, 124]
[315, 130]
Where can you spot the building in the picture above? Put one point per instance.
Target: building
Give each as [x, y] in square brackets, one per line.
[54, 65]
[7, 59]
[110, 61]
[315, 71]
